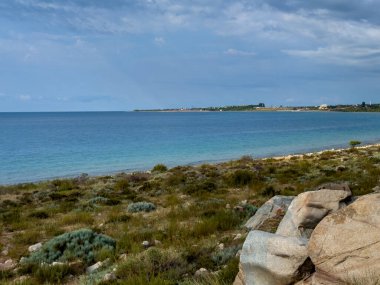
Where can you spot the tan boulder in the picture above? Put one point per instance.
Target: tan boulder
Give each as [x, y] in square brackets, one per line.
[270, 259]
[346, 244]
[308, 209]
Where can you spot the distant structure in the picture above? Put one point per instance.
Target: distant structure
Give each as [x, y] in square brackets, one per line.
[261, 105]
[323, 107]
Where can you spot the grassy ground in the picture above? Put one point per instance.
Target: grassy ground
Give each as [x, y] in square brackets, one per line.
[195, 212]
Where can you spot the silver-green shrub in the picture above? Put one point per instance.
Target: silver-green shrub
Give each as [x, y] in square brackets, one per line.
[141, 207]
[80, 244]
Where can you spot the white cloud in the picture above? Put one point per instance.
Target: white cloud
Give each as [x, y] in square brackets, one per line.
[341, 54]
[236, 52]
[25, 97]
[160, 41]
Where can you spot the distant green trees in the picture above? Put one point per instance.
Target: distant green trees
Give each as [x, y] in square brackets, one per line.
[354, 143]
[159, 168]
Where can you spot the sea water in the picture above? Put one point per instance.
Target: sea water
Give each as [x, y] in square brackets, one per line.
[35, 146]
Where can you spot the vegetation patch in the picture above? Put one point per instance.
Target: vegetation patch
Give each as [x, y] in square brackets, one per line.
[141, 207]
[81, 244]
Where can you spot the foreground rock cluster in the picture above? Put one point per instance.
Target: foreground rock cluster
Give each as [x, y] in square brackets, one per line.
[326, 237]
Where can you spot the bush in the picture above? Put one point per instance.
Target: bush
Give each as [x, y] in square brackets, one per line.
[41, 214]
[159, 168]
[81, 244]
[241, 178]
[152, 263]
[223, 256]
[52, 274]
[122, 185]
[354, 143]
[63, 184]
[141, 207]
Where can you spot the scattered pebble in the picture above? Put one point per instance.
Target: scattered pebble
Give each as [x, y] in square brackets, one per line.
[35, 247]
[57, 263]
[237, 236]
[123, 256]
[94, 267]
[238, 253]
[202, 272]
[109, 277]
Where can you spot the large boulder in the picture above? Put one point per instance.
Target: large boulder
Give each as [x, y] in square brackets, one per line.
[272, 208]
[309, 208]
[346, 244]
[270, 259]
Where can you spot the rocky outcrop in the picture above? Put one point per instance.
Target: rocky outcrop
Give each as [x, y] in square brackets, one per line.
[346, 244]
[270, 259]
[277, 205]
[283, 258]
[308, 209]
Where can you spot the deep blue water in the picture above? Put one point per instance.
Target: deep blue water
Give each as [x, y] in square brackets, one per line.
[35, 146]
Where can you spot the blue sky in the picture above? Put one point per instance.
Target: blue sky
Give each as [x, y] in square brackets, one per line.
[125, 54]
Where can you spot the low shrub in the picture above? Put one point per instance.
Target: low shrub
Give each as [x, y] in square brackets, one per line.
[77, 217]
[221, 257]
[141, 207]
[151, 264]
[40, 214]
[63, 184]
[81, 244]
[122, 184]
[241, 178]
[159, 168]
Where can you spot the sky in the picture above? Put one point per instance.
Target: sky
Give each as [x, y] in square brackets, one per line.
[82, 55]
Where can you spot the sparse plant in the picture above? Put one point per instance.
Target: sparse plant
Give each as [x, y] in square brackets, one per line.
[141, 207]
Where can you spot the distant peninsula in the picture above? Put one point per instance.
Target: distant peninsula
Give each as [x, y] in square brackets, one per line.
[363, 107]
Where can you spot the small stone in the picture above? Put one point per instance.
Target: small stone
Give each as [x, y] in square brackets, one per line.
[123, 256]
[5, 251]
[57, 263]
[23, 259]
[237, 236]
[35, 247]
[238, 253]
[157, 242]
[244, 202]
[202, 272]
[94, 267]
[228, 206]
[21, 279]
[7, 265]
[376, 189]
[340, 168]
[145, 244]
[239, 208]
[109, 277]
[221, 246]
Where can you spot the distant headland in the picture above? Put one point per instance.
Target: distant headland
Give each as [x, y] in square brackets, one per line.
[363, 107]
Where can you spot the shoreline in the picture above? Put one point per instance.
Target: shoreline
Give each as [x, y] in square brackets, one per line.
[197, 164]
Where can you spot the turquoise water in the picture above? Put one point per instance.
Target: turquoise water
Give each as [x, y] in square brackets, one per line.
[35, 146]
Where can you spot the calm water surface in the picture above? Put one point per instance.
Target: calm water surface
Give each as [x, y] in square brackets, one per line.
[35, 146]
